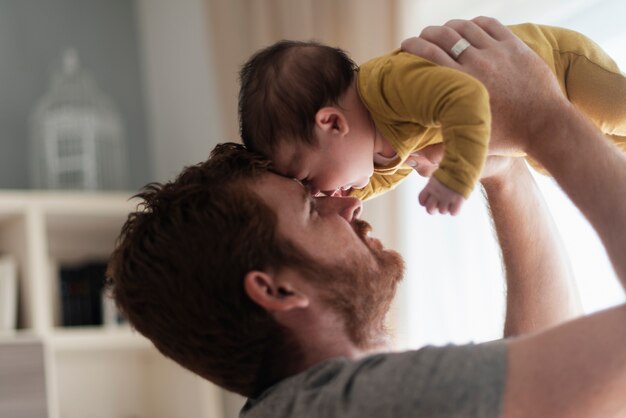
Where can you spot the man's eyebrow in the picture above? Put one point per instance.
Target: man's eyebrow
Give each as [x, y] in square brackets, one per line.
[306, 192]
[305, 196]
[295, 163]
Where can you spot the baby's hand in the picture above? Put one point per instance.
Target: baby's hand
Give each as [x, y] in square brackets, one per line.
[437, 197]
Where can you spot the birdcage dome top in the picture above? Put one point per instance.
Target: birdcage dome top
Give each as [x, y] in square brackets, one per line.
[73, 86]
[77, 136]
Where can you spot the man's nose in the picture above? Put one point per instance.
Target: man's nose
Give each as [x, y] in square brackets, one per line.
[347, 207]
[352, 208]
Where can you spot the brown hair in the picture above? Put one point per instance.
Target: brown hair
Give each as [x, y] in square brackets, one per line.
[282, 88]
[178, 267]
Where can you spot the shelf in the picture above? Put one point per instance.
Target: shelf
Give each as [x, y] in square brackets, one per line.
[97, 339]
[108, 369]
[19, 336]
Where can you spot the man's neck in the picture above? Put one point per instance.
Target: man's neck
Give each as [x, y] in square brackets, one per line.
[330, 341]
[322, 337]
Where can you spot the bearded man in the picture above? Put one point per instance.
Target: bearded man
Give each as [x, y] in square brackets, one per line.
[243, 277]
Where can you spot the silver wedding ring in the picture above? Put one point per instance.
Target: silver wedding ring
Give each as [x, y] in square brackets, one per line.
[458, 48]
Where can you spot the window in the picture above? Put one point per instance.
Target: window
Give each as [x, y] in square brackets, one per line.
[454, 289]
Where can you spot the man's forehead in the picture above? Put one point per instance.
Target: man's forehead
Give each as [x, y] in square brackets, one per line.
[282, 191]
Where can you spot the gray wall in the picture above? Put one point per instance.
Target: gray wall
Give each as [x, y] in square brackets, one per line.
[185, 118]
[33, 34]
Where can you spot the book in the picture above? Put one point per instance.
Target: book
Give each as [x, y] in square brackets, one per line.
[81, 294]
[8, 293]
[111, 316]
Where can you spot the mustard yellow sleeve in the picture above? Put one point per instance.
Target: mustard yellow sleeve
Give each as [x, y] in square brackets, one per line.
[588, 76]
[408, 90]
[380, 184]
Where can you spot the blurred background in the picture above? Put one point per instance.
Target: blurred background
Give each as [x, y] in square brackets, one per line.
[166, 72]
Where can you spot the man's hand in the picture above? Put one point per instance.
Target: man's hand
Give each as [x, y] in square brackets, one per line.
[578, 368]
[426, 161]
[506, 66]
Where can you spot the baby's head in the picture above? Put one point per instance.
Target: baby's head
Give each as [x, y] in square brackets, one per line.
[285, 90]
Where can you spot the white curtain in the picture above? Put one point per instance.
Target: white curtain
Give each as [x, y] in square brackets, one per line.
[453, 291]
[364, 28]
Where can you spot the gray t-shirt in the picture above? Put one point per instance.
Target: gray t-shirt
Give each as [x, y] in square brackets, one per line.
[453, 381]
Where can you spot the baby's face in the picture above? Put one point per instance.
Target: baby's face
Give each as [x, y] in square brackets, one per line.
[340, 165]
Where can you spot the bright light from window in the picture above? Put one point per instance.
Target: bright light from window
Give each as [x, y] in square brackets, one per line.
[598, 286]
[454, 288]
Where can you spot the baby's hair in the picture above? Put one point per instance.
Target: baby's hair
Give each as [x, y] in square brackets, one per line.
[282, 88]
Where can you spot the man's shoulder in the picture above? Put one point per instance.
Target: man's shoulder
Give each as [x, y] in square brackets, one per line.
[392, 384]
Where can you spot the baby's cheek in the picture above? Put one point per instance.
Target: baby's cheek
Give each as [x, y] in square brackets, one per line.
[358, 184]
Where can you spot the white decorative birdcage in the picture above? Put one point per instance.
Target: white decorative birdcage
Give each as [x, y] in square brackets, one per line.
[77, 138]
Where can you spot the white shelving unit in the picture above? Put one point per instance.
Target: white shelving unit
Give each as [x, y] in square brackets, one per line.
[95, 372]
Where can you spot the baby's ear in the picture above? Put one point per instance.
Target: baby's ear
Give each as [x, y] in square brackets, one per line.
[331, 120]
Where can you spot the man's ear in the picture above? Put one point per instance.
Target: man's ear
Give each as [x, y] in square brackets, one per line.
[271, 294]
[331, 120]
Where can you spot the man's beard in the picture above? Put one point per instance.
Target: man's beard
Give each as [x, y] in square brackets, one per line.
[359, 289]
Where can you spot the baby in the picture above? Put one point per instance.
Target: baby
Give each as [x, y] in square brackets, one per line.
[345, 129]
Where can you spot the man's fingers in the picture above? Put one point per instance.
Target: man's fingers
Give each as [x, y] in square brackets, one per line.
[433, 153]
[445, 38]
[422, 165]
[494, 28]
[428, 50]
[469, 30]
[426, 160]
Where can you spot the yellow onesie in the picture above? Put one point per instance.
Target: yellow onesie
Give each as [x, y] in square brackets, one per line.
[415, 103]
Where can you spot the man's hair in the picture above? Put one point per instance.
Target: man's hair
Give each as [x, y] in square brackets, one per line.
[178, 269]
[282, 88]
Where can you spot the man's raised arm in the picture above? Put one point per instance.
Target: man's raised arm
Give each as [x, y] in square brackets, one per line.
[577, 369]
[541, 291]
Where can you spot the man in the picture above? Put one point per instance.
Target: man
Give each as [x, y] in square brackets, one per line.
[242, 277]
